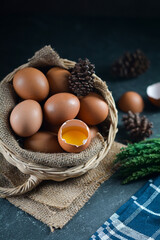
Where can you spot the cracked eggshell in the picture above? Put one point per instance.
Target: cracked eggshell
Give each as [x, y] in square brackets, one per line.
[71, 147]
[153, 93]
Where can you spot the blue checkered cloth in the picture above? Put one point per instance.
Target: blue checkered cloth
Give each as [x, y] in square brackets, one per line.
[138, 218]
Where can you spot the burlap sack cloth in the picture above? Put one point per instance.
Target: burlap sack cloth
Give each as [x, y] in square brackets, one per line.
[55, 203]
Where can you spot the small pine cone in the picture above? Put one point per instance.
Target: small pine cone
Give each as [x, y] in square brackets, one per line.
[138, 127]
[130, 65]
[81, 79]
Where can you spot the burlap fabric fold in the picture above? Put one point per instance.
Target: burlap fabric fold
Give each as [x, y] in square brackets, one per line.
[55, 203]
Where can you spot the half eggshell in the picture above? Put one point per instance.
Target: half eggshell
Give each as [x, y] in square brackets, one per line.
[71, 147]
[153, 93]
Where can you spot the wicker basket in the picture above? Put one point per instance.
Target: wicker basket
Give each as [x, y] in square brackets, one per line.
[38, 172]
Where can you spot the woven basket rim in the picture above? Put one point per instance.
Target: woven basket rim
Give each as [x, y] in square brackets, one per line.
[59, 174]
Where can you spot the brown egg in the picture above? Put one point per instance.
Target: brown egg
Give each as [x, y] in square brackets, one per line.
[61, 107]
[93, 109]
[30, 83]
[42, 141]
[131, 101]
[93, 131]
[74, 136]
[26, 118]
[58, 80]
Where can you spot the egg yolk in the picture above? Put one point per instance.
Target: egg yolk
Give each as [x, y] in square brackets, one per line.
[74, 135]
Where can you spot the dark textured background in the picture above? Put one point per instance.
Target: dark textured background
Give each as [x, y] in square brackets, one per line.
[102, 40]
[112, 8]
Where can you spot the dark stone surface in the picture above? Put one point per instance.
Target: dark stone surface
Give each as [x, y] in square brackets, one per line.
[102, 41]
[17, 225]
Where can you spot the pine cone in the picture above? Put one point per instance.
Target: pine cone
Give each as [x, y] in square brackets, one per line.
[139, 127]
[130, 65]
[81, 79]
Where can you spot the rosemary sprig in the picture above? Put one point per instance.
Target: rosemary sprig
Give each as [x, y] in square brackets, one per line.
[142, 173]
[139, 159]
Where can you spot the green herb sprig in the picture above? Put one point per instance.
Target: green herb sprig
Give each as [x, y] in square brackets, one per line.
[139, 160]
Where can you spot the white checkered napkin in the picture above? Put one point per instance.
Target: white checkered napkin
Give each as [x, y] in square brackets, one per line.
[138, 218]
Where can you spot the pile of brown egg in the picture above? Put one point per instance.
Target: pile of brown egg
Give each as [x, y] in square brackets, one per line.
[49, 117]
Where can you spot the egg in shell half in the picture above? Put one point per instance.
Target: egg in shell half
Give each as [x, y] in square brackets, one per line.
[74, 136]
